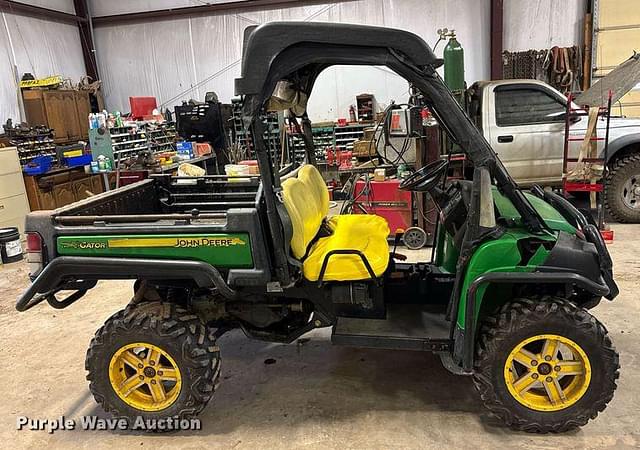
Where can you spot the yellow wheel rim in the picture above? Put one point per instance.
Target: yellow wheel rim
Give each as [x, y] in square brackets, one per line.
[547, 372]
[145, 376]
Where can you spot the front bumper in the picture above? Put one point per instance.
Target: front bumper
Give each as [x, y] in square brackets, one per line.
[591, 235]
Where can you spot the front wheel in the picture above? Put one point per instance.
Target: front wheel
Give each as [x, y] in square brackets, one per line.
[545, 365]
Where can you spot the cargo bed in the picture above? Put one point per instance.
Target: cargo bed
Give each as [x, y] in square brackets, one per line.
[164, 198]
[205, 229]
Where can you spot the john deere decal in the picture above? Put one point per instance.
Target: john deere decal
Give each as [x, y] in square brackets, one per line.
[221, 250]
[176, 242]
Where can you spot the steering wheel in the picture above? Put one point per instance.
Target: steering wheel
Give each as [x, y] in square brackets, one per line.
[425, 179]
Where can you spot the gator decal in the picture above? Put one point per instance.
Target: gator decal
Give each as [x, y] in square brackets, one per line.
[221, 250]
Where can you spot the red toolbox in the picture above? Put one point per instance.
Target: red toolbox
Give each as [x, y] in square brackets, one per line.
[142, 106]
[384, 199]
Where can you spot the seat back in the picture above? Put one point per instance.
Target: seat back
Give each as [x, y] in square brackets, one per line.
[305, 217]
[306, 199]
[312, 178]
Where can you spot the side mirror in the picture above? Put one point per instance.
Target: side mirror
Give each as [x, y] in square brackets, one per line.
[573, 118]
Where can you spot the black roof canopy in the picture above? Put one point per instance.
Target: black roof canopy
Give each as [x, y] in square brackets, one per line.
[266, 44]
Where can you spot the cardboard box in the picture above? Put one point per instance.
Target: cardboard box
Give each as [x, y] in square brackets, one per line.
[362, 148]
[379, 175]
[202, 149]
[369, 134]
[185, 148]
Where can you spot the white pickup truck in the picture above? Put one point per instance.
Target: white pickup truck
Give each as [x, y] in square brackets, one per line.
[524, 121]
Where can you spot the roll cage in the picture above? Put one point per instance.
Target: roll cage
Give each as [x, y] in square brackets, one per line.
[299, 52]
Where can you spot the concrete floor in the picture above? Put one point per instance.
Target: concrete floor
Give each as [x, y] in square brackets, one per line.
[313, 396]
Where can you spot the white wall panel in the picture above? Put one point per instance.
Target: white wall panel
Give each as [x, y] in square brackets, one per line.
[539, 24]
[58, 5]
[111, 7]
[42, 48]
[46, 48]
[8, 89]
[149, 59]
[337, 87]
[217, 46]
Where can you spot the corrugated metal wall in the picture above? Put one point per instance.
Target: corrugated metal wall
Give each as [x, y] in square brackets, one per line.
[166, 58]
[38, 46]
[540, 24]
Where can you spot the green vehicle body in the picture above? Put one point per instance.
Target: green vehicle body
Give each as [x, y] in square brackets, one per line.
[502, 254]
[234, 250]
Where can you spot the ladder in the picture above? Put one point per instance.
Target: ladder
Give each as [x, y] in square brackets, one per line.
[587, 185]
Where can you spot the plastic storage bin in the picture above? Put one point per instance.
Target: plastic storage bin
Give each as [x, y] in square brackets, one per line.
[76, 161]
[38, 165]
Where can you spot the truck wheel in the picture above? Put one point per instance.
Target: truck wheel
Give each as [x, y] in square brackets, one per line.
[622, 196]
[155, 361]
[545, 365]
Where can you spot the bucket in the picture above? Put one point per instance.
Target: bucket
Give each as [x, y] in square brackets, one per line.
[235, 170]
[253, 166]
[10, 246]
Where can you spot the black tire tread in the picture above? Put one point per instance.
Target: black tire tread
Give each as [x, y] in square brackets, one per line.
[200, 353]
[613, 182]
[520, 313]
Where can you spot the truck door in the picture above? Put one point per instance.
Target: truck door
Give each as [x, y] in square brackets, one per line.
[526, 130]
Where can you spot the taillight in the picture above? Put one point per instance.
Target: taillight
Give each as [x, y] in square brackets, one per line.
[34, 253]
[34, 242]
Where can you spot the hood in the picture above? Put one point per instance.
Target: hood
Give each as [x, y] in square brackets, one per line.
[623, 122]
[549, 214]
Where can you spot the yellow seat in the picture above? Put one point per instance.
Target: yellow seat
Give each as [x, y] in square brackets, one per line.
[307, 202]
[364, 233]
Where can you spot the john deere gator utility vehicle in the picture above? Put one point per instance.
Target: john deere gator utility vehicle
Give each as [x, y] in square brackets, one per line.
[503, 299]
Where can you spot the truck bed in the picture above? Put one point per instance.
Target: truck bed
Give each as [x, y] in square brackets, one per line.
[163, 198]
[163, 226]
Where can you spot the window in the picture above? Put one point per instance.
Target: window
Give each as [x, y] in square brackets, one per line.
[517, 105]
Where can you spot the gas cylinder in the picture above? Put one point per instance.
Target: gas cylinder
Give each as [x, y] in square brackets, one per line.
[454, 64]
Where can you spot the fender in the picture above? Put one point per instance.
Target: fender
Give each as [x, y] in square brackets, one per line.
[60, 270]
[469, 336]
[619, 143]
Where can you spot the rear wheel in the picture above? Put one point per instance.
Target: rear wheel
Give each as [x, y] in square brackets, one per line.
[154, 360]
[545, 365]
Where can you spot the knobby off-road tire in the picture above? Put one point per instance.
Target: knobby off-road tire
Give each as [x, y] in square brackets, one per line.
[176, 334]
[622, 170]
[522, 320]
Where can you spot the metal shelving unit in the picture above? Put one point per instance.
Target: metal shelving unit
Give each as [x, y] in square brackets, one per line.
[273, 123]
[123, 142]
[344, 137]
[32, 144]
[322, 138]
